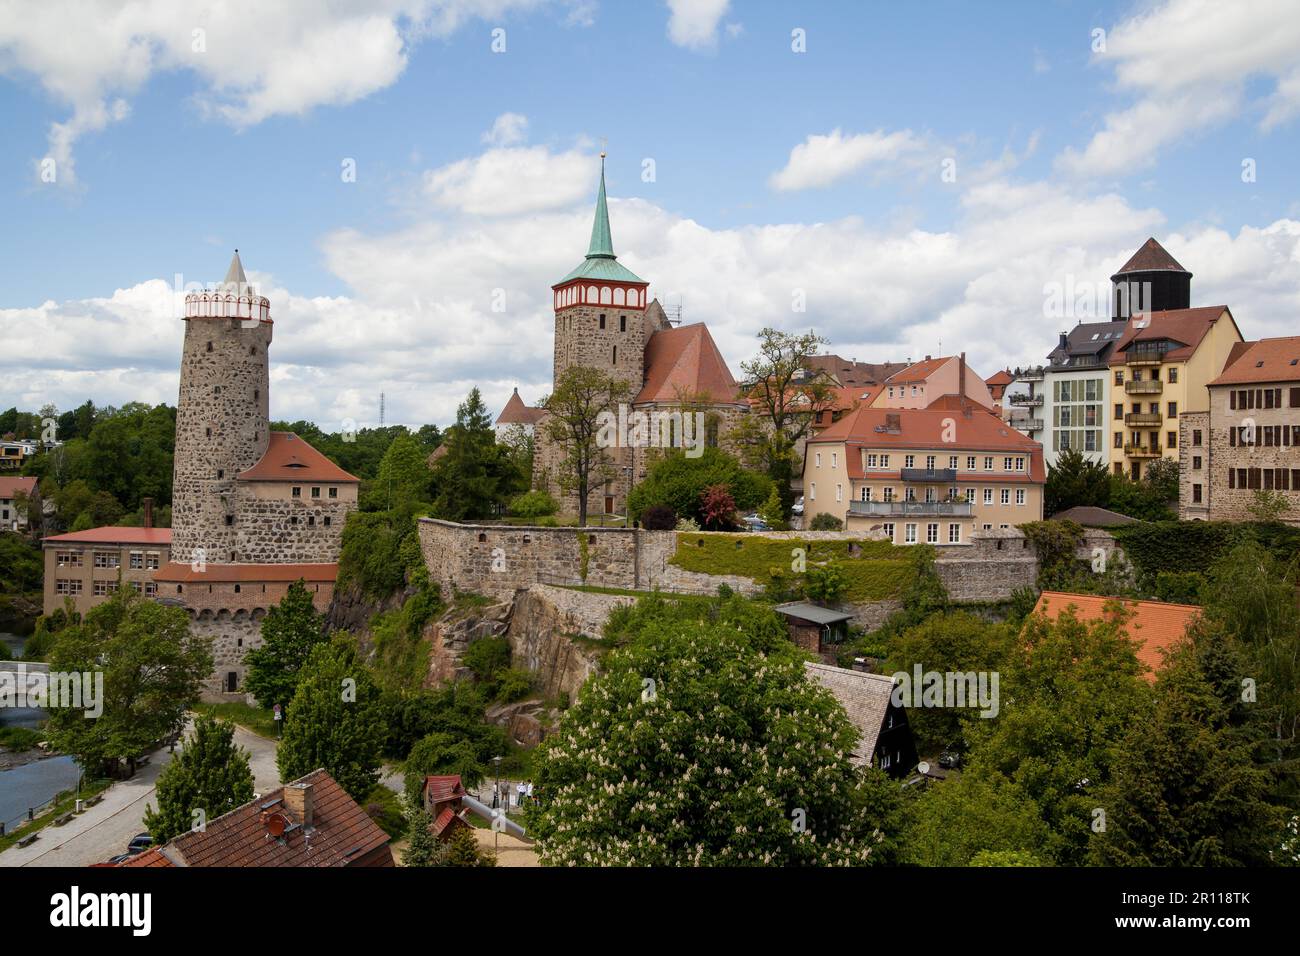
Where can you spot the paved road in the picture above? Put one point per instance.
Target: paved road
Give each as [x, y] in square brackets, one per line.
[105, 829]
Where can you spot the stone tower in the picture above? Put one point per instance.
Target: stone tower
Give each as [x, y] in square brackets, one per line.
[600, 309]
[222, 425]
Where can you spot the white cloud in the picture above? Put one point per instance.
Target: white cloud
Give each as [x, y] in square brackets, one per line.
[447, 302]
[1187, 63]
[255, 59]
[507, 130]
[510, 181]
[821, 160]
[694, 23]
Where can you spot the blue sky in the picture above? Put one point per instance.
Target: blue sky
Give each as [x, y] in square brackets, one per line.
[219, 149]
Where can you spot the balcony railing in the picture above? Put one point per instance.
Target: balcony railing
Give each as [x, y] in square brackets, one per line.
[1028, 424]
[1027, 400]
[945, 475]
[1142, 451]
[1144, 358]
[1030, 375]
[1149, 387]
[898, 509]
[1139, 419]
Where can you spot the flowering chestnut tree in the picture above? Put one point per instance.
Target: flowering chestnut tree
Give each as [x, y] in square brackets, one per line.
[702, 743]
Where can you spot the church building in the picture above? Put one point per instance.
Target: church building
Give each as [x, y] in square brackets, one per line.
[605, 319]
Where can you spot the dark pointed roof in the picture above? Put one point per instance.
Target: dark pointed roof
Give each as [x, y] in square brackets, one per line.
[1152, 257]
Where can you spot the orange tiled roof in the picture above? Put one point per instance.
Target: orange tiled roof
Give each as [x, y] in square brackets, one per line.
[1002, 377]
[443, 787]
[1185, 326]
[517, 413]
[11, 486]
[289, 458]
[918, 371]
[1154, 625]
[1268, 360]
[225, 573]
[152, 857]
[341, 834]
[854, 374]
[115, 534]
[685, 362]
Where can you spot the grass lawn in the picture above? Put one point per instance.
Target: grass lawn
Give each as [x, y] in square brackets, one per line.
[257, 719]
[878, 572]
[64, 802]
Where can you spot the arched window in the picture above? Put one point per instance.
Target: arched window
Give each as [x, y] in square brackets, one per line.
[591, 293]
[606, 297]
[619, 296]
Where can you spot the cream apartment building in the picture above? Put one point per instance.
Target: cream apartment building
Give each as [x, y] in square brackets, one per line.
[932, 475]
[89, 566]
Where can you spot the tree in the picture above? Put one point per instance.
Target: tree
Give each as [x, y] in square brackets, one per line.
[404, 477]
[210, 777]
[825, 582]
[474, 478]
[786, 397]
[1075, 481]
[423, 848]
[289, 632]
[717, 508]
[152, 670]
[534, 504]
[676, 481]
[442, 753]
[1186, 790]
[1268, 505]
[462, 850]
[771, 512]
[575, 423]
[960, 820]
[334, 721]
[825, 521]
[685, 750]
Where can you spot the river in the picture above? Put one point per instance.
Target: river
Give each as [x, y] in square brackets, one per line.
[34, 783]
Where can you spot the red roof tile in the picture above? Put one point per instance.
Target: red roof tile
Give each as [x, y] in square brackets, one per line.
[289, 458]
[342, 834]
[115, 534]
[446, 787]
[152, 857]
[517, 413]
[1154, 625]
[684, 363]
[1152, 257]
[9, 486]
[1000, 378]
[1268, 360]
[223, 573]
[919, 371]
[1184, 326]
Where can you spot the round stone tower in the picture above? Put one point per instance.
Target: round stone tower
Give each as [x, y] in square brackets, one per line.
[222, 424]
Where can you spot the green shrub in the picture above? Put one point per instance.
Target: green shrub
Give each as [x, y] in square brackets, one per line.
[678, 482]
[534, 504]
[382, 806]
[514, 684]
[658, 518]
[1179, 587]
[825, 521]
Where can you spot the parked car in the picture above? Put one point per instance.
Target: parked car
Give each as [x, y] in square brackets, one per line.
[139, 843]
[753, 522]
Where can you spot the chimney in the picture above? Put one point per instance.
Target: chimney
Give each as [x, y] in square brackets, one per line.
[1064, 340]
[299, 801]
[148, 511]
[961, 375]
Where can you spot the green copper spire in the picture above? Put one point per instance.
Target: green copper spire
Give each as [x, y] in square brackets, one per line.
[602, 245]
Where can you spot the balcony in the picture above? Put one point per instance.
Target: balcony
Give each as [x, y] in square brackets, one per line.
[1142, 419]
[1028, 424]
[920, 509]
[1149, 387]
[1142, 451]
[944, 475]
[1033, 400]
[1030, 375]
[1144, 358]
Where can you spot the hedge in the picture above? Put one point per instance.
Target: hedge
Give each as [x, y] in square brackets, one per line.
[1181, 547]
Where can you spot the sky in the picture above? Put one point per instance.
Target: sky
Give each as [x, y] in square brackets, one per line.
[405, 179]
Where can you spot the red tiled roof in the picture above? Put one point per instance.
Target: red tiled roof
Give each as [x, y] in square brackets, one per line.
[289, 458]
[1000, 378]
[930, 428]
[854, 374]
[11, 486]
[341, 834]
[1152, 257]
[446, 787]
[115, 534]
[1268, 360]
[1185, 326]
[918, 371]
[683, 363]
[224, 573]
[443, 821]
[152, 857]
[517, 413]
[1154, 626]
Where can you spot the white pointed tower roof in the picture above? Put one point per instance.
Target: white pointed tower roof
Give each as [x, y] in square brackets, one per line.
[235, 274]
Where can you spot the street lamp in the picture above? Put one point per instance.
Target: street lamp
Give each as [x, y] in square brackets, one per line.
[496, 791]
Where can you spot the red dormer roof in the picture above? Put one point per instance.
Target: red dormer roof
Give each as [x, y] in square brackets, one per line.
[289, 458]
[1185, 326]
[443, 787]
[684, 363]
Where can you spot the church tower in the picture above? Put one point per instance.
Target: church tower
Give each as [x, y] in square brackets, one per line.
[600, 309]
[222, 424]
